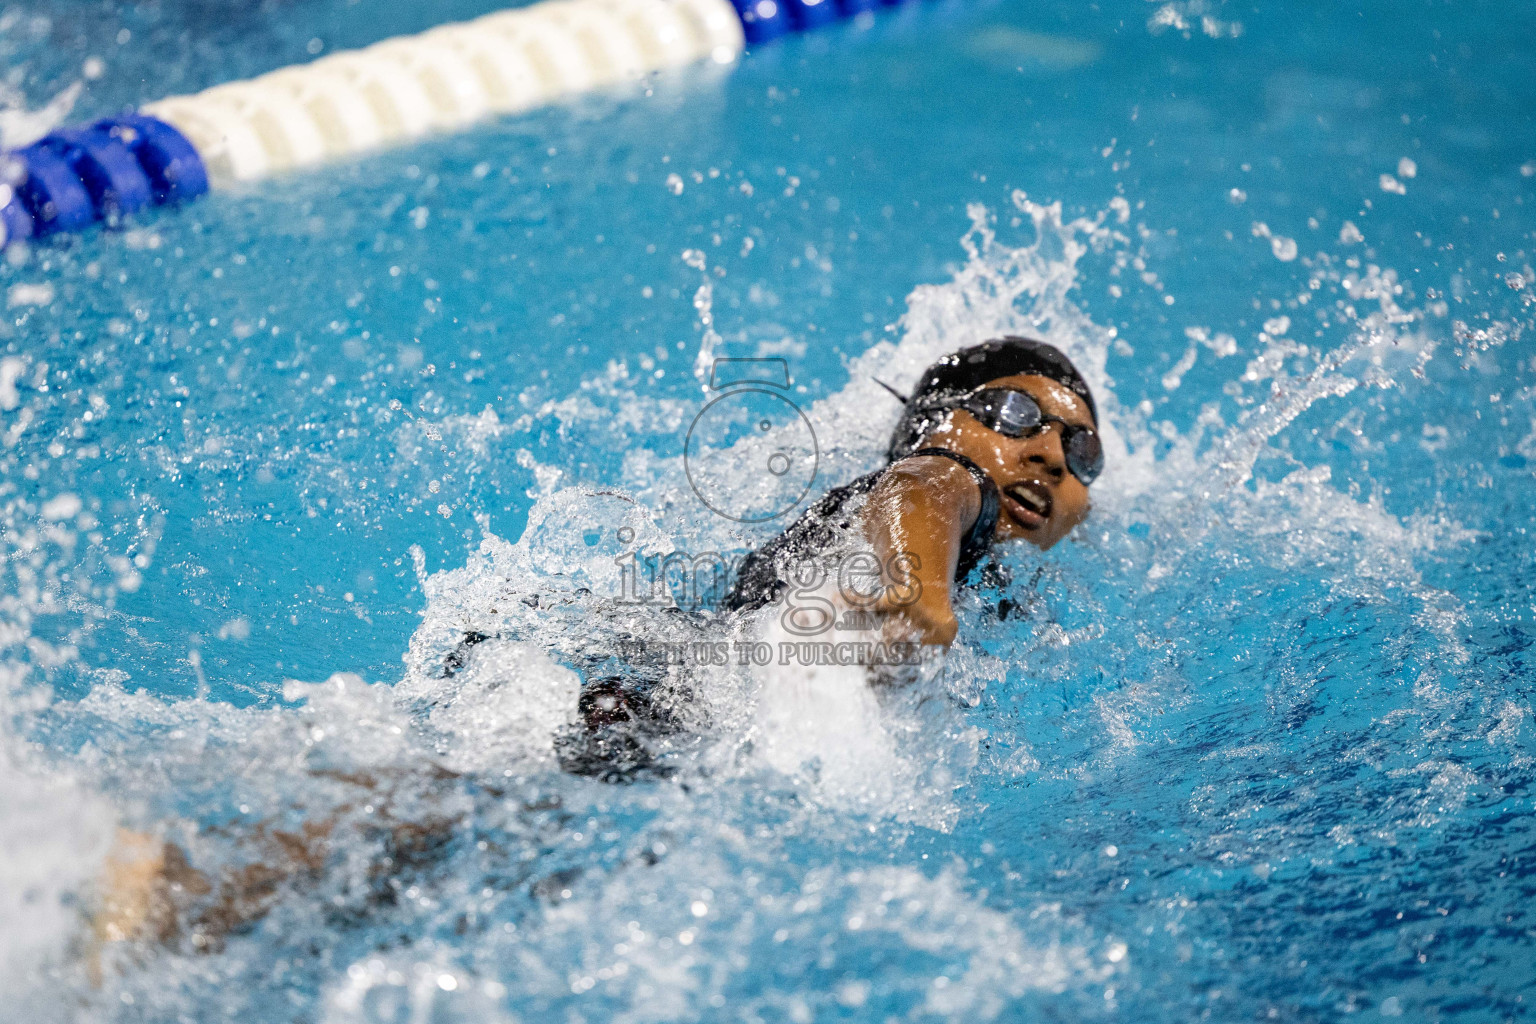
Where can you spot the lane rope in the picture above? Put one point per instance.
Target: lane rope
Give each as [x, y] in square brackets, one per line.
[175, 149]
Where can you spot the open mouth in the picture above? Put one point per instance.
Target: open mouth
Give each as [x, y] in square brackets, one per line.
[1028, 504]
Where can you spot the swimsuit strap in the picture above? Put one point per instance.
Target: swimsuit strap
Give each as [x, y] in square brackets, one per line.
[978, 541]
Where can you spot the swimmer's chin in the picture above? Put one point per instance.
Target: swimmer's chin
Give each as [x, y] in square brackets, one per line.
[1040, 538]
[1044, 532]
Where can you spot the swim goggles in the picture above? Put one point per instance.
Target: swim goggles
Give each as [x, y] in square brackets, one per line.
[1017, 414]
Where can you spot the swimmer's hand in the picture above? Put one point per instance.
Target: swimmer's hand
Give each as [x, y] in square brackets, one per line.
[916, 519]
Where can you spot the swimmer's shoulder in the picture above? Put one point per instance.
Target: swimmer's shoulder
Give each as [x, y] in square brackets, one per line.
[759, 581]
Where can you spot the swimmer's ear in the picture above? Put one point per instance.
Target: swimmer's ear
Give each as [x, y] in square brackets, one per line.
[903, 399]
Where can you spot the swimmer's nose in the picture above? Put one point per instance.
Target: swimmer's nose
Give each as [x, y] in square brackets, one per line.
[1047, 453]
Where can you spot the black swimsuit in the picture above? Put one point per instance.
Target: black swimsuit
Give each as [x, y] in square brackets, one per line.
[622, 719]
[816, 531]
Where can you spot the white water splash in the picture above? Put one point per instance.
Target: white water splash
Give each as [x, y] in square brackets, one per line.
[20, 126]
[703, 303]
[843, 752]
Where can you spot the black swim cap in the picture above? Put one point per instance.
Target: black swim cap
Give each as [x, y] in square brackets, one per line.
[960, 373]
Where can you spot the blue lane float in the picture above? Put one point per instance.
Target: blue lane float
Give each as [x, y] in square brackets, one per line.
[112, 178]
[175, 149]
[763, 20]
[173, 168]
[51, 193]
[75, 177]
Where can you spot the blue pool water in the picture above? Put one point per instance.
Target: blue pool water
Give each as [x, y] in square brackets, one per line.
[1258, 745]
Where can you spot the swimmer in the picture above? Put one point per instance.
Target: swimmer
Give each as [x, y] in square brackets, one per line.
[999, 442]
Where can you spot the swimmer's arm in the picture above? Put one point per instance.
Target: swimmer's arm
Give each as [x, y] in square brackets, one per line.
[920, 512]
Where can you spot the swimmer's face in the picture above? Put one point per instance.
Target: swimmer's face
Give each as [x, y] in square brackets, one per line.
[1041, 500]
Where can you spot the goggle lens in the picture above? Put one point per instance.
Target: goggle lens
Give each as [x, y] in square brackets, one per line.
[1010, 413]
[1085, 455]
[1016, 414]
